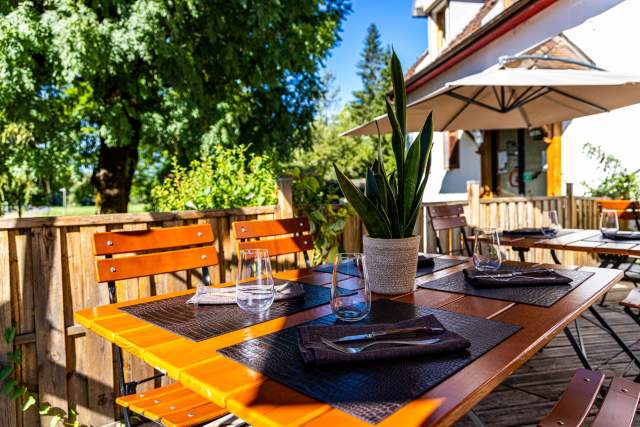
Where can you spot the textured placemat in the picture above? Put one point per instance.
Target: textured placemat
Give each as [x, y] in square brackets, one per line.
[350, 270]
[370, 391]
[201, 322]
[514, 235]
[601, 238]
[544, 296]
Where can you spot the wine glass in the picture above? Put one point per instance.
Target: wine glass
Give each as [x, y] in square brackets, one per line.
[609, 222]
[351, 306]
[486, 249]
[550, 223]
[254, 285]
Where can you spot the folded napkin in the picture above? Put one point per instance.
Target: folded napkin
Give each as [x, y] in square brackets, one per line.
[622, 235]
[509, 278]
[209, 295]
[531, 232]
[425, 260]
[314, 351]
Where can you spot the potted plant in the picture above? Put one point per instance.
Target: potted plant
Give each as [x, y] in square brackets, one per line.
[391, 201]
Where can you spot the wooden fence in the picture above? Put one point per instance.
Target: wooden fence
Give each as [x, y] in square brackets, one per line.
[47, 273]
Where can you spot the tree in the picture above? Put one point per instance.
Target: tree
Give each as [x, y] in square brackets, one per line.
[373, 69]
[152, 76]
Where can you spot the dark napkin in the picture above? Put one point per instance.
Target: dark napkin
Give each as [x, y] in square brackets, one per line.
[535, 277]
[531, 232]
[622, 235]
[425, 261]
[313, 351]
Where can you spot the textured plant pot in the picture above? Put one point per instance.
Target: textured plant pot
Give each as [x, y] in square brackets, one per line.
[391, 264]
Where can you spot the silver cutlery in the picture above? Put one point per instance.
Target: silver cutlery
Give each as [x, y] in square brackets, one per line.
[427, 330]
[361, 348]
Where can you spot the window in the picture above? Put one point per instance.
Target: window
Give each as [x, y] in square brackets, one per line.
[452, 151]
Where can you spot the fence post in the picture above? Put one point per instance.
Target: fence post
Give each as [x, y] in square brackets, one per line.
[473, 194]
[571, 207]
[284, 209]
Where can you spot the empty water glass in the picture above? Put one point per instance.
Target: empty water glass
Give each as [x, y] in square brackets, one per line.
[352, 305]
[254, 286]
[609, 221]
[550, 223]
[486, 249]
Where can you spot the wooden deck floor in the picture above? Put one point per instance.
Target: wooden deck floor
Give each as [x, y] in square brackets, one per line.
[528, 395]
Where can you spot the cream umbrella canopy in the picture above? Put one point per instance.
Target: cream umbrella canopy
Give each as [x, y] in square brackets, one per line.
[516, 98]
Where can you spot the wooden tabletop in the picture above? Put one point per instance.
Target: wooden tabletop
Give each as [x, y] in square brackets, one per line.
[576, 240]
[263, 402]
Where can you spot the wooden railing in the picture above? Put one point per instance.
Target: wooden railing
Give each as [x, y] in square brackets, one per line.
[47, 273]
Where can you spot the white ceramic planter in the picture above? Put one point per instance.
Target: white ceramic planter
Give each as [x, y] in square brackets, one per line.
[391, 264]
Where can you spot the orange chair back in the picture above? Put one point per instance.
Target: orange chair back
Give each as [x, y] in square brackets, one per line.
[251, 234]
[172, 249]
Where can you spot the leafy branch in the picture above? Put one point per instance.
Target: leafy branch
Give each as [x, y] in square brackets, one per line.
[618, 182]
[15, 390]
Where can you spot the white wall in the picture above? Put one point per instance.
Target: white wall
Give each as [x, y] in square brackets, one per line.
[607, 30]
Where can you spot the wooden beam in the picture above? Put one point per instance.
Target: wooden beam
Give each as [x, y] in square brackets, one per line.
[554, 161]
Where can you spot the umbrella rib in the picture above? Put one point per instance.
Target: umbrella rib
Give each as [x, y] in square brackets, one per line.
[575, 98]
[495, 93]
[542, 91]
[473, 101]
[524, 94]
[464, 107]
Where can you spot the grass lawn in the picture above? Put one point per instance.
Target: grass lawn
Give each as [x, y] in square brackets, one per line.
[70, 211]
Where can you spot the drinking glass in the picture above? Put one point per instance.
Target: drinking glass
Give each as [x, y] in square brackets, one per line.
[550, 223]
[352, 305]
[486, 249]
[609, 221]
[254, 286]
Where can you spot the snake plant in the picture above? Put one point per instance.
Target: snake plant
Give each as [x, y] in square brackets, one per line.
[391, 201]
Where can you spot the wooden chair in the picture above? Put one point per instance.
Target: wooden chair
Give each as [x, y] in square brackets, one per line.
[449, 217]
[617, 410]
[251, 235]
[173, 249]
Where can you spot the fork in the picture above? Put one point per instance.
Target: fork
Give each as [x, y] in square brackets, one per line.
[361, 348]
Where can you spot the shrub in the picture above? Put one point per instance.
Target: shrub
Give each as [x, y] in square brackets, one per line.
[225, 178]
[618, 182]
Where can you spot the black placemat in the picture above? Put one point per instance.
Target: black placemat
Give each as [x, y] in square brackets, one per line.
[513, 234]
[201, 322]
[350, 270]
[544, 296]
[374, 390]
[601, 238]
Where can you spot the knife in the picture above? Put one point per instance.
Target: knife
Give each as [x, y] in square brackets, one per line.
[418, 330]
[513, 274]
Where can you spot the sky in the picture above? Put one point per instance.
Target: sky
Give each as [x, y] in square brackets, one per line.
[397, 27]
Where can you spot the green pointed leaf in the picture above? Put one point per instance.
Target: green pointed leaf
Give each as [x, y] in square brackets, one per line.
[29, 402]
[399, 91]
[426, 141]
[43, 409]
[9, 334]
[7, 387]
[366, 210]
[371, 190]
[18, 391]
[6, 371]
[412, 177]
[397, 139]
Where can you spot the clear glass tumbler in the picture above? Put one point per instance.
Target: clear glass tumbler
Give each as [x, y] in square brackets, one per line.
[486, 249]
[550, 223]
[352, 305]
[609, 221]
[254, 285]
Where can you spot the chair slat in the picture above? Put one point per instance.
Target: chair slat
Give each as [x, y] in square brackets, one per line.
[619, 407]
[445, 210]
[448, 223]
[632, 300]
[118, 242]
[575, 403]
[112, 269]
[274, 227]
[160, 392]
[282, 246]
[193, 416]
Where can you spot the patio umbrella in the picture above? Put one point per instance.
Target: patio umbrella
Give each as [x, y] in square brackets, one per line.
[516, 98]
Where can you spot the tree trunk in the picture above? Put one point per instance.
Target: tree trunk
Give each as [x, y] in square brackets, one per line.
[113, 176]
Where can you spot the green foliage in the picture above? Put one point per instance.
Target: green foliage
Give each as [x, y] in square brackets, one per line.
[618, 182]
[320, 203]
[225, 178]
[15, 390]
[391, 202]
[153, 76]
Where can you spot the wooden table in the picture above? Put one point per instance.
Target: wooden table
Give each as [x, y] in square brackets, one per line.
[263, 402]
[576, 240]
